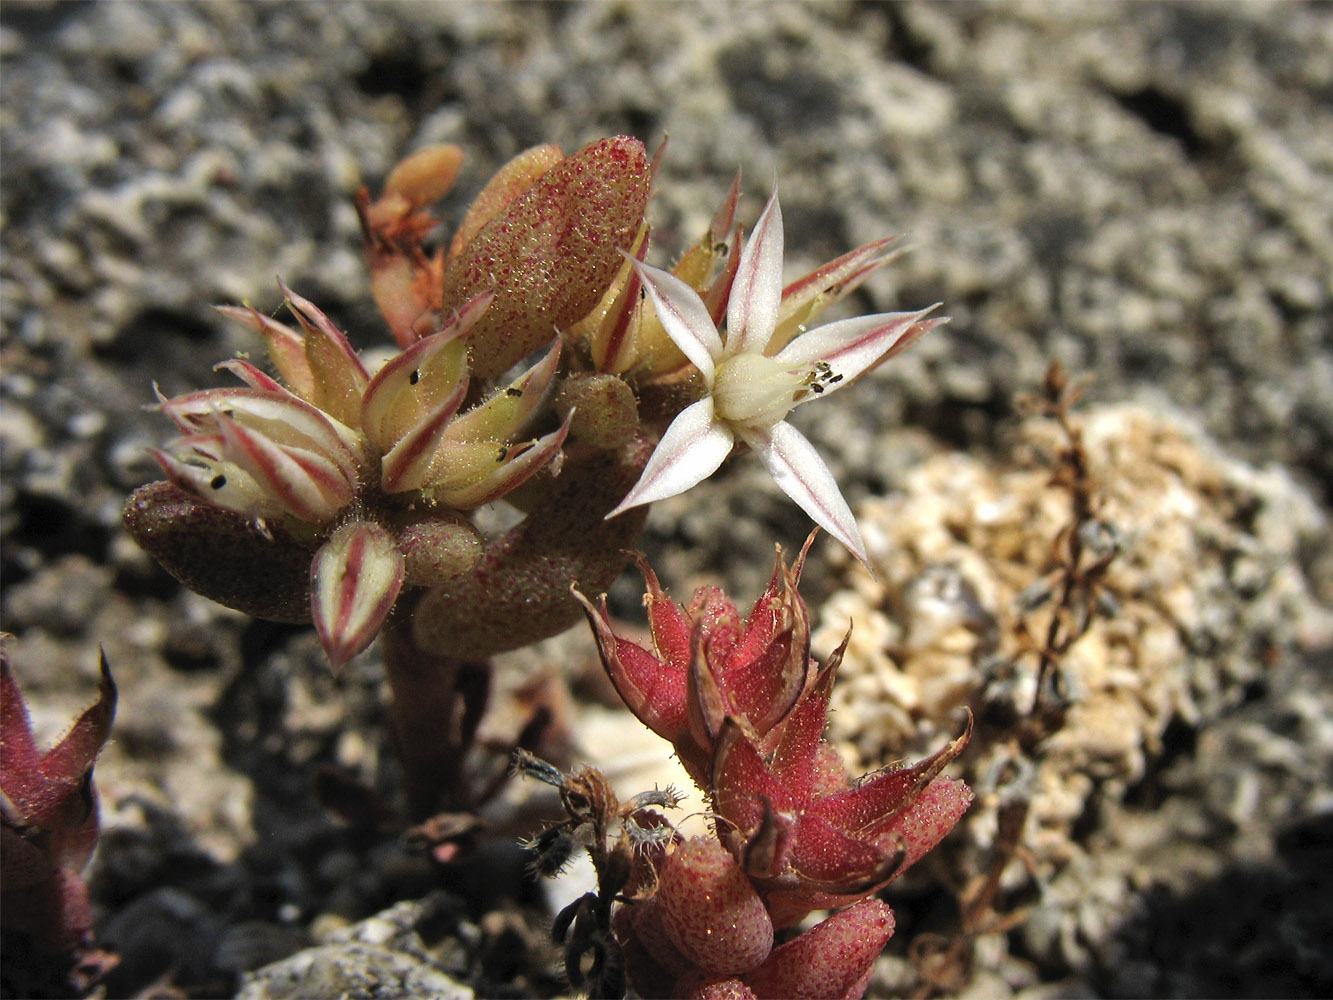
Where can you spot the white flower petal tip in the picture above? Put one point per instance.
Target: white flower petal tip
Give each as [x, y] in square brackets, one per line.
[797, 468]
[684, 317]
[690, 451]
[756, 292]
[354, 580]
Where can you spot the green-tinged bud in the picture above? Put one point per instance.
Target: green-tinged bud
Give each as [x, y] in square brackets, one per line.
[354, 580]
[606, 415]
[244, 563]
[519, 592]
[438, 550]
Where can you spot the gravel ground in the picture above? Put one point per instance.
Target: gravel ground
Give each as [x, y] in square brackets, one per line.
[1143, 192]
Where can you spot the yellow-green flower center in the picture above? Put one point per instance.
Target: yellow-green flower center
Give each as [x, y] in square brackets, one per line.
[757, 390]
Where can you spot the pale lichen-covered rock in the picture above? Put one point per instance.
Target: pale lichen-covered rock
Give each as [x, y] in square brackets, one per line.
[1209, 593]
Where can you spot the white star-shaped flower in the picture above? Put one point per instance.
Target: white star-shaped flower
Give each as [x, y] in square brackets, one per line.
[749, 391]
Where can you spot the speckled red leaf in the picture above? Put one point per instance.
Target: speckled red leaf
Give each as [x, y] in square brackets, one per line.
[552, 252]
[710, 910]
[831, 960]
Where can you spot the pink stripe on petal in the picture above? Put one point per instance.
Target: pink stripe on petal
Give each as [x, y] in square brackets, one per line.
[690, 451]
[836, 277]
[719, 292]
[309, 486]
[279, 414]
[355, 578]
[314, 320]
[725, 216]
[339, 378]
[852, 347]
[286, 347]
[255, 378]
[752, 310]
[683, 316]
[803, 476]
[407, 465]
[612, 347]
[511, 473]
[465, 317]
[385, 413]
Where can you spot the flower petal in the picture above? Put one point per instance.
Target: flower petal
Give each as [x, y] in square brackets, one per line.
[684, 317]
[286, 347]
[505, 412]
[219, 483]
[690, 451]
[803, 476]
[354, 580]
[407, 465]
[280, 415]
[514, 465]
[752, 310]
[254, 377]
[612, 341]
[850, 347]
[308, 485]
[411, 386]
[338, 376]
[810, 294]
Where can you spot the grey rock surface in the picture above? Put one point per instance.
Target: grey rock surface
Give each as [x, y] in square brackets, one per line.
[1144, 192]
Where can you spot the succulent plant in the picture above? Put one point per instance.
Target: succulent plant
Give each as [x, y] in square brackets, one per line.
[540, 362]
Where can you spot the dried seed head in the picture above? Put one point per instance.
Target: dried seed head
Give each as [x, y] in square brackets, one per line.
[531, 766]
[552, 850]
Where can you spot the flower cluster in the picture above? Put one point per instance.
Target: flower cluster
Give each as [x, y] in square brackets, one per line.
[332, 489]
[373, 471]
[744, 706]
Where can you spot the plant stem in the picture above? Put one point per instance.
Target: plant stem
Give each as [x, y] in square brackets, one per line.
[435, 706]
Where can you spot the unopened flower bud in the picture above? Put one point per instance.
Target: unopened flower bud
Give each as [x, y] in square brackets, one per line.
[354, 580]
[606, 414]
[438, 550]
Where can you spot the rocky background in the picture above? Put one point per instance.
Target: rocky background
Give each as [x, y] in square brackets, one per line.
[1143, 192]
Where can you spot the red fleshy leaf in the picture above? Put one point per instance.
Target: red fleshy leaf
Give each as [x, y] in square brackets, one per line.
[831, 960]
[551, 252]
[710, 910]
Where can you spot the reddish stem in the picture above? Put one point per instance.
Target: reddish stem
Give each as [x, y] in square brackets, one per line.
[434, 707]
